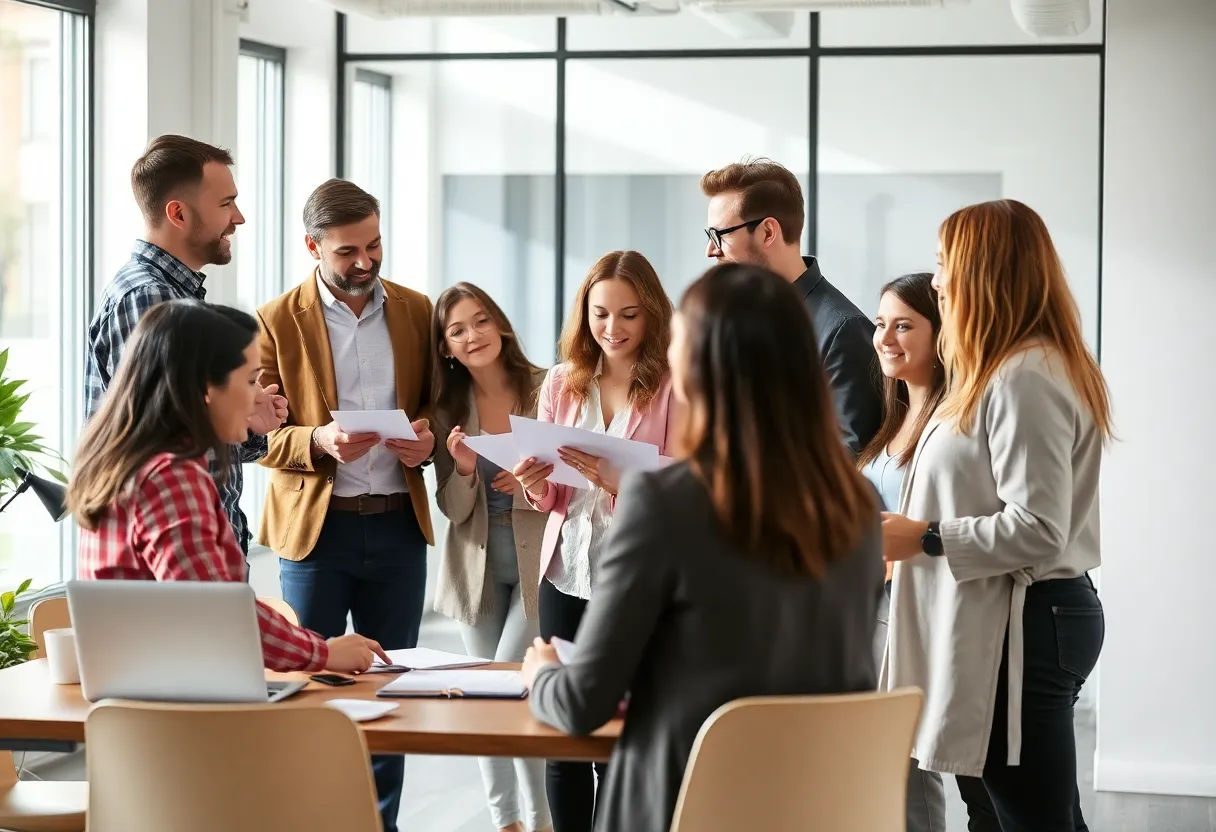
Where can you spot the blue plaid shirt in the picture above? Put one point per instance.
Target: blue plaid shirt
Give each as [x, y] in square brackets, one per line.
[153, 276]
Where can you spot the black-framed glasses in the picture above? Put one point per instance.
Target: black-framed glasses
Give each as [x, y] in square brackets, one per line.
[715, 235]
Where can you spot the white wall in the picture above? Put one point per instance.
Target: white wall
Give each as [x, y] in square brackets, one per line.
[1156, 723]
[306, 29]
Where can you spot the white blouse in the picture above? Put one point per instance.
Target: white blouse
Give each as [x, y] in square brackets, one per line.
[590, 510]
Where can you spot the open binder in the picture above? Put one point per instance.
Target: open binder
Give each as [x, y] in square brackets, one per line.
[456, 684]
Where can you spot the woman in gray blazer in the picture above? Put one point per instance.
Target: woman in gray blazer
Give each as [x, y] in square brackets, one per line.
[993, 613]
[750, 567]
[490, 570]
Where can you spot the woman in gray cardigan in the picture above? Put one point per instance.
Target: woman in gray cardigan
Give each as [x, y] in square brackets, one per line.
[993, 613]
[751, 567]
[490, 570]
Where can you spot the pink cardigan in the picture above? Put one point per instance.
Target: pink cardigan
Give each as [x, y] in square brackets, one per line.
[553, 405]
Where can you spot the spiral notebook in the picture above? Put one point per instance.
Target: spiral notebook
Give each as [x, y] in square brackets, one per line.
[455, 684]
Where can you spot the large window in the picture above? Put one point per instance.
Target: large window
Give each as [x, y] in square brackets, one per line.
[259, 181]
[371, 147]
[43, 257]
[602, 125]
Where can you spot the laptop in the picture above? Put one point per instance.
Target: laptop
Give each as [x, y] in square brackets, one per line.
[172, 641]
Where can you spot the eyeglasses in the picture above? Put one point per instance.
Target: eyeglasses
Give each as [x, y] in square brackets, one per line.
[715, 235]
[461, 334]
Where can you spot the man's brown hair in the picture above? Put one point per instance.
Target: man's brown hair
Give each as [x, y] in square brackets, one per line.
[170, 165]
[767, 190]
[335, 203]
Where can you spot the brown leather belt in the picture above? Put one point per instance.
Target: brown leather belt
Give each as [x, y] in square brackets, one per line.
[370, 503]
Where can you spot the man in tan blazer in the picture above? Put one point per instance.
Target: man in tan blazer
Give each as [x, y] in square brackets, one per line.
[348, 513]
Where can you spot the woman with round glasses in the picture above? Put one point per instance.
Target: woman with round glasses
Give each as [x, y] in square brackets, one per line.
[490, 570]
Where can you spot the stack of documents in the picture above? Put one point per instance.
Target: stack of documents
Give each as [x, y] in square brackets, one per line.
[541, 440]
[466, 684]
[424, 658]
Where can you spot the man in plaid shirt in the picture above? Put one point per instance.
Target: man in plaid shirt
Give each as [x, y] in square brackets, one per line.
[188, 198]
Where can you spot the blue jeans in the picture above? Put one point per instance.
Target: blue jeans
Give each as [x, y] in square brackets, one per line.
[373, 567]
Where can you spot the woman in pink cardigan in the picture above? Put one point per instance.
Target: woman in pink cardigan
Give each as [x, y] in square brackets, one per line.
[613, 379]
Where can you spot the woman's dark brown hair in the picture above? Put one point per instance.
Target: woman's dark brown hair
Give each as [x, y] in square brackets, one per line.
[451, 378]
[157, 400]
[579, 350]
[760, 431]
[916, 291]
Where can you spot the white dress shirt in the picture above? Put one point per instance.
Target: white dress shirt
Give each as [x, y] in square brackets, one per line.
[590, 510]
[366, 378]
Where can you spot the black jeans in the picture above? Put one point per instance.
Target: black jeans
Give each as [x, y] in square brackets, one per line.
[570, 786]
[1063, 629]
[373, 567]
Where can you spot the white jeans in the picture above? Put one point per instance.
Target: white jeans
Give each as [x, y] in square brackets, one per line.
[504, 636]
[926, 794]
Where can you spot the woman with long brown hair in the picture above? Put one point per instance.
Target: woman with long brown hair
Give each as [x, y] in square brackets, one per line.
[491, 553]
[749, 567]
[993, 612]
[147, 507]
[613, 379]
[906, 331]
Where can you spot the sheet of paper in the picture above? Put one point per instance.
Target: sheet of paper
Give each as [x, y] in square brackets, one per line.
[507, 684]
[424, 658]
[390, 424]
[498, 448]
[542, 439]
[664, 461]
[566, 651]
[361, 710]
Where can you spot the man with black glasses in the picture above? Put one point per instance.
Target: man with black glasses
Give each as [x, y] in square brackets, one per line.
[755, 216]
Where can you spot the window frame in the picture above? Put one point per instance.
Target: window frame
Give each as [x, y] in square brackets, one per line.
[814, 52]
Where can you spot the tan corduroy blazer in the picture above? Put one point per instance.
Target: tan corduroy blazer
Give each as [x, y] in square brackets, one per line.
[460, 592]
[295, 354]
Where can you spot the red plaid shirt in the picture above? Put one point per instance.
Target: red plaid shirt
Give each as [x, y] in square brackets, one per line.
[169, 525]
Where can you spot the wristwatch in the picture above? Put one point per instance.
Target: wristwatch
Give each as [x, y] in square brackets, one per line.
[931, 540]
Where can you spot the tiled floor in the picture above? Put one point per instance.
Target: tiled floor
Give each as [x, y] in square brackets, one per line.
[444, 794]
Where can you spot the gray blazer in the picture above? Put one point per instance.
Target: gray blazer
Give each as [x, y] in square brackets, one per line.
[683, 622]
[460, 592]
[1017, 498]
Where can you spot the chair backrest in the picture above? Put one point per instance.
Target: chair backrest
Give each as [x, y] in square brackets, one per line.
[281, 607]
[48, 614]
[802, 762]
[240, 768]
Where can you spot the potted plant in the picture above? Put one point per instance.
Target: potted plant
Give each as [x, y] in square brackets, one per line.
[21, 451]
[15, 644]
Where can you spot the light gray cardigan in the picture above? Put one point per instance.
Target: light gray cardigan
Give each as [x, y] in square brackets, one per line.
[460, 592]
[1017, 498]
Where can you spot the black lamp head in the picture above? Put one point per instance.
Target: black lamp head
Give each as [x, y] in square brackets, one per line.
[52, 495]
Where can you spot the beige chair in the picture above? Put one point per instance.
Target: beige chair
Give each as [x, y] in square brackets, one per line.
[41, 806]
[281, 607]
[802, 762]
[48, 614]
[155, 767]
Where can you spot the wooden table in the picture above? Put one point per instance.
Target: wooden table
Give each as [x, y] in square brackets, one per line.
[34, 713]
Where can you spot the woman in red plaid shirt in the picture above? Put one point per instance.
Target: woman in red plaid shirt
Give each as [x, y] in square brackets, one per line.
[147, 506]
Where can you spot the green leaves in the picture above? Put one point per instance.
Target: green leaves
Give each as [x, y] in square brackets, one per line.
[20, 447]
[15, 645]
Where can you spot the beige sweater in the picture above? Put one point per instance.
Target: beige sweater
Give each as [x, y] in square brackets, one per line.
[1017, 498]
[460, 592]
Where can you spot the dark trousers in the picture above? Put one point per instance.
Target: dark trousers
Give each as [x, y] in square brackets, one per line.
[1063, 629]
[570, 786]
[373, 567]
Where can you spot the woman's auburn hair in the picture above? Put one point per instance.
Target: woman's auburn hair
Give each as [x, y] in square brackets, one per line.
[1006, 287]
[581, 354]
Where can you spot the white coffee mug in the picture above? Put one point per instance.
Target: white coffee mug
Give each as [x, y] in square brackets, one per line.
[60, 649]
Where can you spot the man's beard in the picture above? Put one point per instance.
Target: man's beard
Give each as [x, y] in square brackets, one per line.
[211, 250]
[348, 286]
